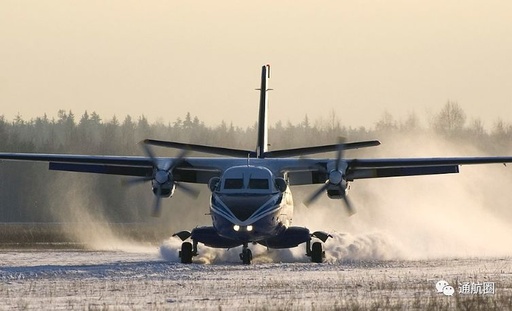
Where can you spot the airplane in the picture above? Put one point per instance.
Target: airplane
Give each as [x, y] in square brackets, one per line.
[251, 200]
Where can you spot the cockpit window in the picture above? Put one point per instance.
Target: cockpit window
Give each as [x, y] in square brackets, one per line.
[233, 183]
[258, 183]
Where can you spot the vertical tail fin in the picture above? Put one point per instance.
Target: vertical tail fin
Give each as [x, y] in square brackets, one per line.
[262, 146]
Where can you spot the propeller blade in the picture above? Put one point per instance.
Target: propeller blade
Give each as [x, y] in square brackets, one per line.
[188, 190]
[170, 165]
[158, 203]
[149, 153]
[314, 196]
[157, 208]
[348, 205]
[135, 181]
[340, 152]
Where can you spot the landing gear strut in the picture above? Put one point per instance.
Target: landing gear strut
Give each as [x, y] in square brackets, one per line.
[246, 255]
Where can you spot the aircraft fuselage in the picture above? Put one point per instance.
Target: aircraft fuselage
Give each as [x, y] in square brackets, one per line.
[246, 205]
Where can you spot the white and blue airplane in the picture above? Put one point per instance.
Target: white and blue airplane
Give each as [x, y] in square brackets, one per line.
[251, 200]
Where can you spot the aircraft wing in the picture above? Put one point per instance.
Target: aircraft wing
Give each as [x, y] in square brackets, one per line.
[198, 172]
[77, 158]
[316, 172]
[393, 167]
[300, 171]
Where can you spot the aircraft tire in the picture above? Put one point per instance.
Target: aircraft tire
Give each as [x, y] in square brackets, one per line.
[246, 256]
[186, 252]
[317, 253]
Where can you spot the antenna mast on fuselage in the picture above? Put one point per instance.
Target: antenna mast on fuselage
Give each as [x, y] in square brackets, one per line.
[262, 146]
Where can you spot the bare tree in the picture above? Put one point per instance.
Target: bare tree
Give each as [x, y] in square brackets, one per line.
[450, 120]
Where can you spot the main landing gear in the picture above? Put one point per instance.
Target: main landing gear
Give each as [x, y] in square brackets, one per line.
[317, 253]
[187, 252]
[315, 250]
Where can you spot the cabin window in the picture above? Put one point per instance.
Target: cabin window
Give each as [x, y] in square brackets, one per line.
[258, 183]
[233, 183]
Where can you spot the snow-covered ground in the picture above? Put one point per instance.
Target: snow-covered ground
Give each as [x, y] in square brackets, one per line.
[143, 277]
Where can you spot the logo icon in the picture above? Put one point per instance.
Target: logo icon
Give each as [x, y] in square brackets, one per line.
[465, 288]
[443, 287]
[448, 290]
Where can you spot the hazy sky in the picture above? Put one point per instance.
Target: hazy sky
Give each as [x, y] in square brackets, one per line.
[162, 59]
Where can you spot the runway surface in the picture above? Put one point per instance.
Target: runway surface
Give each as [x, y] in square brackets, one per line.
[150, 278]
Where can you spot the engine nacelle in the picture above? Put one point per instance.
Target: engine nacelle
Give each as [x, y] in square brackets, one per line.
[337, 192]
[165, 191]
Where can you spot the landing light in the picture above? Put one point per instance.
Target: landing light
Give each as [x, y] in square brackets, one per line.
[243, 228]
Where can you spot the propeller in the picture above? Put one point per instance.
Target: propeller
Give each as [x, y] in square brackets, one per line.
[336, 179]
[162, 176]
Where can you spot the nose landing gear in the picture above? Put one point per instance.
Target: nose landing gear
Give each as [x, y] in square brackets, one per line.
[246, 255]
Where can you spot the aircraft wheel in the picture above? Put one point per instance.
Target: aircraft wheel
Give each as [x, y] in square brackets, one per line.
[186, 252]
[246, 256]
[317, 253]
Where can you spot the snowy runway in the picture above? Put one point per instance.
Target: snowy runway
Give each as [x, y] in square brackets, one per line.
[146, 278]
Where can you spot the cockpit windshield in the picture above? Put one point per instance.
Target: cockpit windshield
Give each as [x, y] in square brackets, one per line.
[258, 183]
[247, 179]
[234, 183]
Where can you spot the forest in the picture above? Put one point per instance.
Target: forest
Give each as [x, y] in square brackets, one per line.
[31, 193]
